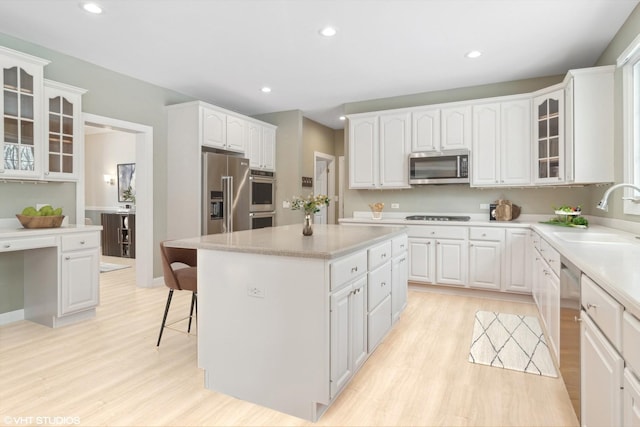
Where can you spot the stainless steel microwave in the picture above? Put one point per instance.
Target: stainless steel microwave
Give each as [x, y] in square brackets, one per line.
[447, 167]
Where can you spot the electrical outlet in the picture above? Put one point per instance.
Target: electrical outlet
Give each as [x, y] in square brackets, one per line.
[256, 291]
[287, 205]
[395, 205]
[484, 206]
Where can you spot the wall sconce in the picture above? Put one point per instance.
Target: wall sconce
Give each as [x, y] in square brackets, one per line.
[109, 179]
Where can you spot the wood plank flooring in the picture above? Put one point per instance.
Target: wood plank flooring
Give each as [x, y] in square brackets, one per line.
[107, 371]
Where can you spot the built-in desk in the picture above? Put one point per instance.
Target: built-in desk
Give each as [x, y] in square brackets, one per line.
[61, 270]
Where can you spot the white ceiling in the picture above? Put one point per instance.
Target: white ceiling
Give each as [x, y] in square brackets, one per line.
[224, 51]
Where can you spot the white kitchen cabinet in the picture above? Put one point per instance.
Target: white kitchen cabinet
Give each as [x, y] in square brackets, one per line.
[425, 126]
[236, 133]
[501, 143]
[456, 127]
[79, 285]
[21, 110]
[422, 260]
[589, 106]
[348, 332]
[378, 323]
[64, 155]
[214, 128]
[399, 284]
[517, 270]
[363, 152]
[395, 141]
[601, 379]
[451, 262]
[485, 257]
[379, 148]
[631, 400]
[549, 138]
[261, 147]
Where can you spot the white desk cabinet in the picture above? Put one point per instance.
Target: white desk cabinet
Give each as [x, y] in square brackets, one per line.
[61, 272]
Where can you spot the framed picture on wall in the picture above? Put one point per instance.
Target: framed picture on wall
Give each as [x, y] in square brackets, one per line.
[127, 182]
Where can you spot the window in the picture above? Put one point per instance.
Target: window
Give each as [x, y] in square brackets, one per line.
[629, 61]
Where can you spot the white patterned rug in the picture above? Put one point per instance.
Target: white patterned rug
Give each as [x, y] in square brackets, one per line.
[512, 342]
[107, 266]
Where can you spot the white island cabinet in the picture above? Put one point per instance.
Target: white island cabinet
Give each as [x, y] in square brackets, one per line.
[283, 319]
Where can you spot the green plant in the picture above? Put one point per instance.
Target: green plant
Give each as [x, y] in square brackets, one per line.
[128, 195]
[311, 204]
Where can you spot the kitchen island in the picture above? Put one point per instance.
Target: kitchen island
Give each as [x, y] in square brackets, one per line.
[285, 320]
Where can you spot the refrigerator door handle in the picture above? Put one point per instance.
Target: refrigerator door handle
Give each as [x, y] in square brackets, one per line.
[231, 202]
[226, 202]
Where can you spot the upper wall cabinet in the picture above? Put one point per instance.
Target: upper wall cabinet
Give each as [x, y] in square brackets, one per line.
[261, 147]
[379, 148]
[64, 131]
[502, 143]
[21, 125]
[548, 138]
[589, 135]
[438, 129]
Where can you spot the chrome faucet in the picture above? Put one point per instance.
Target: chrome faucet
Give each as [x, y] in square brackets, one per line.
[604, 204]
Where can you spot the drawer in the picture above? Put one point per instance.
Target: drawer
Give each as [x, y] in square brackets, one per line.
[29, 243]
[605, 311]
[631, 341]
[379, 285]
[378, 323]
[348, 268]
[379, 254]
[73, 242]
[439, 232]
[551, 256]
[486, 233]
[399, 245]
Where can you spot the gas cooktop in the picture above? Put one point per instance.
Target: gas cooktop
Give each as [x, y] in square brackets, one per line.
[437, 218]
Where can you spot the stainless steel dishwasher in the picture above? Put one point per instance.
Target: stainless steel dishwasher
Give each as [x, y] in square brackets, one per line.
[570, 331]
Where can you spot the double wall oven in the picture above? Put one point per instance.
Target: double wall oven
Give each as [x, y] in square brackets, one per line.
[262, 199]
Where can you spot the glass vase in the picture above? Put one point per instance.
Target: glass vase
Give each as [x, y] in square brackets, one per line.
[307, 229]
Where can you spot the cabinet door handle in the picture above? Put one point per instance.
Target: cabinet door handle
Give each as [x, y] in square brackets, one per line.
[402, 246]
[82, 242]
[383, 255]
[383, 284]
[67, 258]
[354, 269]
[577, 319]
[470, 245]
[589, 306]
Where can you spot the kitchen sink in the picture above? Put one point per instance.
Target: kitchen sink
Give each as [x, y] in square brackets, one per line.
[595, 238]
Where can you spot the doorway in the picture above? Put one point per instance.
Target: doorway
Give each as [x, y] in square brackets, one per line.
[324, 182]
[143, 136]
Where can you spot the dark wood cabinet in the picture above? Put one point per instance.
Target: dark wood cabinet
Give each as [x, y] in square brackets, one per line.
[118, 235]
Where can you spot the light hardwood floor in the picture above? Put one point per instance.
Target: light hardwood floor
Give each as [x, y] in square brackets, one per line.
[107, 371]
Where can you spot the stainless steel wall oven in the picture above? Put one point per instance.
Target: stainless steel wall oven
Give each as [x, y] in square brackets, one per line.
[262, 191]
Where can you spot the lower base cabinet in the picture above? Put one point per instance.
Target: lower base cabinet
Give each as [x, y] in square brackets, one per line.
[348, 332]
[601, 378]
[631, 403]
[378, 323]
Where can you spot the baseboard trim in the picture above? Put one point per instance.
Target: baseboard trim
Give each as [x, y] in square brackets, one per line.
[11, 316]
[477, 293]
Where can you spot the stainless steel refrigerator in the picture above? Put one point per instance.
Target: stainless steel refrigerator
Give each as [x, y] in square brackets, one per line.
[225, 193]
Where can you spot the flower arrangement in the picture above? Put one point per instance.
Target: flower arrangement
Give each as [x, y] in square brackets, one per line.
[311, 204]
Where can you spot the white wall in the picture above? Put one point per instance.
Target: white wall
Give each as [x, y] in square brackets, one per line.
[103, 152]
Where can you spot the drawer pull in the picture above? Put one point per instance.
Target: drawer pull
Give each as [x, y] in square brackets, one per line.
[589, 306]
[82, 242]
[383, 255]
[484, 234]
[383, 284]
[354, 269]
[402, 245]
[7, 245]
[67, 258]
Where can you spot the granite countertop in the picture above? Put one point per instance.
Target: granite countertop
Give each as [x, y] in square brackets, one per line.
[11, 228]
[327, 241]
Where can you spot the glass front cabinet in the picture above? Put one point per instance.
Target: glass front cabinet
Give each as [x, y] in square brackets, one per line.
[21, 109]
[549, 138]
[63, 108]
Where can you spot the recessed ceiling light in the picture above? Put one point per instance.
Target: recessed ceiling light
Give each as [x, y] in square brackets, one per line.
[266, 89]
[343, 118]
[92, 8]
[474, 54]
[328, 31]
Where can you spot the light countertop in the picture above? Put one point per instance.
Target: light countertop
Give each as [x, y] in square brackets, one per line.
[10, 228]
[327, 241]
